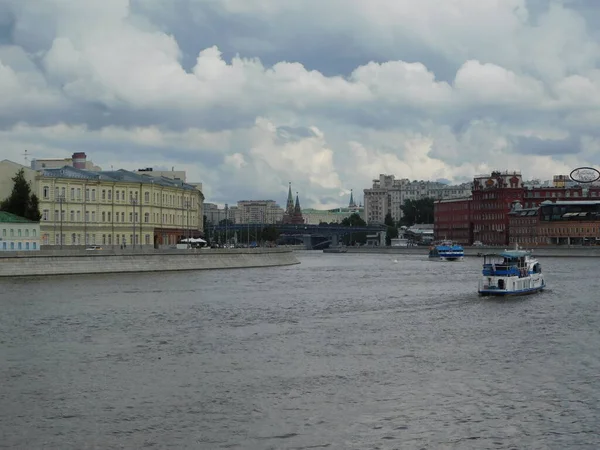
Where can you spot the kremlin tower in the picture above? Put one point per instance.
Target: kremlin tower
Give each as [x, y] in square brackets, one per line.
[293, 212]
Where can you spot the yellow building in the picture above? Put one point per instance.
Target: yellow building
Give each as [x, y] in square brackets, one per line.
[109, 208]
[18, 234]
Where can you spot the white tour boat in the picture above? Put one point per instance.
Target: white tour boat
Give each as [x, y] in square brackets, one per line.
[512, 272]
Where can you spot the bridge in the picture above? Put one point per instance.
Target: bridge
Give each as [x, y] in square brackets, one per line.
[313, 236]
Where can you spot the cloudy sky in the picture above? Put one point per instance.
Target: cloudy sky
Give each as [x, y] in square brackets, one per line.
[247, 95]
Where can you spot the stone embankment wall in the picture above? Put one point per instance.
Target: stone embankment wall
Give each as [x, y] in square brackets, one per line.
[554, 252]
[77, 262]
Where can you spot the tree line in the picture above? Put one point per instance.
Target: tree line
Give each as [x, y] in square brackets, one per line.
[22, 201]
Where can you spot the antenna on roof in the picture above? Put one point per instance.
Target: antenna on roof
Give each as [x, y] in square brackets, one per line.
[25, 155]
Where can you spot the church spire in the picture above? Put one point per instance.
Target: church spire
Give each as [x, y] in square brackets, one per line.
[351, 204]
[297, 209]
[289, 207]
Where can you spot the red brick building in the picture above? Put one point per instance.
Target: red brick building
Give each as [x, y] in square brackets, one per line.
[570, 222]
[533, 197]
[523, 227]
[452, 220]
[490, 218]
[493, 196]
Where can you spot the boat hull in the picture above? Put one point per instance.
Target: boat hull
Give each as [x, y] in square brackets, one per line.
[446, 258]
[509, 293]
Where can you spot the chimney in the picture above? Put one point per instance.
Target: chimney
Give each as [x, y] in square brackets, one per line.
[79, 160]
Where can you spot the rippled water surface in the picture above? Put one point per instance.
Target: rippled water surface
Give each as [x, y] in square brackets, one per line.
[340, 352]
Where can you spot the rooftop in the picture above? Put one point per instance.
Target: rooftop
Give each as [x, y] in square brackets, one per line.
[114, 175]
[6, 217]
[570, 203]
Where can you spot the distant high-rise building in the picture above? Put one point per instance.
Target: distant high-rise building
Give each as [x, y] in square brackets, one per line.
[388, 195]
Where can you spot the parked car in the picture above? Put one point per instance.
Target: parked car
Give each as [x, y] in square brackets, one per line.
[94, 247]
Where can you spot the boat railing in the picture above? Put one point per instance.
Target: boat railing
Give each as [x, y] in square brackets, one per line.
[503, 270]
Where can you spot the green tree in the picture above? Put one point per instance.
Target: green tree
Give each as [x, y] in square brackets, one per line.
[391, 233]
[21, 200]
[270, 233]
[389, 220]
[417, 211]
[354, 220]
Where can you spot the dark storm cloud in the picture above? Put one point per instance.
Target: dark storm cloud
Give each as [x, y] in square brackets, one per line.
[547, 147]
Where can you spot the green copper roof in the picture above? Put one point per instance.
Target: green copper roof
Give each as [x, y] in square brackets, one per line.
[6, 217]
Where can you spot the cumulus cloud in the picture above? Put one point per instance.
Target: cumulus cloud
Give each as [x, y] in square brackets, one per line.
[247, 95]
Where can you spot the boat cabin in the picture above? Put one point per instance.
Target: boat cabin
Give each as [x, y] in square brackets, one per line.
[509, 263]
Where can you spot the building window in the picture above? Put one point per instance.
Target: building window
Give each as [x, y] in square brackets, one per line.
[19, 232]
[73, 237]
[109, 194]
[12, 245]
[130, 217]
[72, 216]
[87, 194]
[108, 216]
[103, 194]
[103, 239]
[146, 217]
[147, 197]
[4, 232]
[109, 239]
[87, 219]
[34, 232]
[46, 192]
[78, 216]
[93, 195]
[147, 239]
[56, 191]
[93, 216]
[78, 193]
[27, 232]
[103, 216]
[136, 218]
[63, 193]
[72, 194]
[117, 195]
[122, 216]
[34, 246]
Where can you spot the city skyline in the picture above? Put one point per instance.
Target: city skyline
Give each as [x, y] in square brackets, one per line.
[428, 91]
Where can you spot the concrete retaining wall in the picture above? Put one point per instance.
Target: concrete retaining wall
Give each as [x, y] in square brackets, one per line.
[554, 252]
[109, 262]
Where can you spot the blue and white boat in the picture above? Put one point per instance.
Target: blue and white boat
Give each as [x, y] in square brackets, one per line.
[446, 251]
[512, 272]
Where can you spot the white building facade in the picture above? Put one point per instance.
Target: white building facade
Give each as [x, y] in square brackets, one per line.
[258, 211]
[388, 195]
[18, 234]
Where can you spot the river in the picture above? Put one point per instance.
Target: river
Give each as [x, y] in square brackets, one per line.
[344, 351]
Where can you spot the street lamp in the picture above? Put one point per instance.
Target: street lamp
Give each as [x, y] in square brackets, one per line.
[133, 203]
[226, 222]
[61, 199]
[187, 231]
